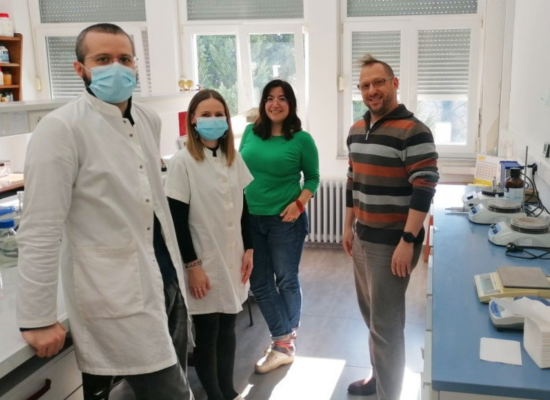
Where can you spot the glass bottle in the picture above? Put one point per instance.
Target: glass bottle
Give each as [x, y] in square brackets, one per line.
[514, 185]
[8, 244]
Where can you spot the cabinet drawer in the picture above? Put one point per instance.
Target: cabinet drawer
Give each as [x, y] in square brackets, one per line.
[429, 282]
[63, 373]
[429, 323]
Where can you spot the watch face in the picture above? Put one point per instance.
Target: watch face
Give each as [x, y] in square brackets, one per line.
[409, 237]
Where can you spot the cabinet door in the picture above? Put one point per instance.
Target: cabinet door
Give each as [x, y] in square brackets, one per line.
[63, 376]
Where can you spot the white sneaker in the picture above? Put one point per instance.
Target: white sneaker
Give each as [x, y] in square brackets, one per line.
[273, 360]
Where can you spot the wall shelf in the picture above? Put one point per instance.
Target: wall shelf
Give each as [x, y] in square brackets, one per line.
[15, 48]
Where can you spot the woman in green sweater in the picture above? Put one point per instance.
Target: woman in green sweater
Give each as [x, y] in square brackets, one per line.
[278, 152]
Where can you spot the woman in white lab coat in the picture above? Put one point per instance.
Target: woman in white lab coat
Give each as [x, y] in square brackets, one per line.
[204, 185]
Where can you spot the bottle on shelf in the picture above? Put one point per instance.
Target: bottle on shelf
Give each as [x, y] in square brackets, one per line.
[6, 26]
[4, 54]
[1, 78]
[7, 78]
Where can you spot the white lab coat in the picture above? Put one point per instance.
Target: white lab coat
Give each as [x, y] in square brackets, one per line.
[214, 193]
[92, 183]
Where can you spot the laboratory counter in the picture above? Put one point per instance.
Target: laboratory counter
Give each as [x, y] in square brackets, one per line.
[461, 250]
[22, 374]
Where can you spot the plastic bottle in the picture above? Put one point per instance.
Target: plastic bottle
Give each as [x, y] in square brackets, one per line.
[4, 54]
[514, 185]
[7, 78]
[8, 244]
[1, 77]
[6, 26]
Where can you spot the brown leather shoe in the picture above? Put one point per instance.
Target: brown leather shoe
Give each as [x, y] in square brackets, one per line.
[363, 387]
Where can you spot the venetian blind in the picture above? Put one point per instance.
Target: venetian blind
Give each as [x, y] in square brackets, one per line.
[377, 8]
[443, 61]
[66, 11]
[198, 10]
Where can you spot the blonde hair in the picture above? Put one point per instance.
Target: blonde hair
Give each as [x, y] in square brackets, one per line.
[194, 144]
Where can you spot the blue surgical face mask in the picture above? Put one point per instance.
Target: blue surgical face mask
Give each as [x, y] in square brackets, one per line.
[113, 83]
[212, 128]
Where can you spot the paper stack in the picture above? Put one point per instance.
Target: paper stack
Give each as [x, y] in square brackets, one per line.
[536, 334]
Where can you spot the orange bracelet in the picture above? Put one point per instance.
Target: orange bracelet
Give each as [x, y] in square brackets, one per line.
[300, 206]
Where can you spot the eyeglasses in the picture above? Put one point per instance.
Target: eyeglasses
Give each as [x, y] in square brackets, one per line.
[375, 84]
[106, 59]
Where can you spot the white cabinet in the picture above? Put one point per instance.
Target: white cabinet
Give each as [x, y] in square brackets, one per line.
[58, 379]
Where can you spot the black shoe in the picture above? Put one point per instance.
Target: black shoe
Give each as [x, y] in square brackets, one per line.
[363, 387]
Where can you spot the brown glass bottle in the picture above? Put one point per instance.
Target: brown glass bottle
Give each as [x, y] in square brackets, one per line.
[514, 185]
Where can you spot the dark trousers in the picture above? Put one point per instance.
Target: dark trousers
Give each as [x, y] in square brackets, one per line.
[214, 354]
[168, 384]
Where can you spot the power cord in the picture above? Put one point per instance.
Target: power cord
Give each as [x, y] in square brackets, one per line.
[512, 248]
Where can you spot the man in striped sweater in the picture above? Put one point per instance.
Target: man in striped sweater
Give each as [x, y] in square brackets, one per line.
[391, 181]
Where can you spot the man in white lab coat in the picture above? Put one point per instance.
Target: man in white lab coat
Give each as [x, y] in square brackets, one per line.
[95, 205]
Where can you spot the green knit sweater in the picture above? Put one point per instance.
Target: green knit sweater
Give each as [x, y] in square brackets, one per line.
[277, 165]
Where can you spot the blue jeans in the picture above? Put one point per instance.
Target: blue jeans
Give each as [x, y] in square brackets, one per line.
[274, 281]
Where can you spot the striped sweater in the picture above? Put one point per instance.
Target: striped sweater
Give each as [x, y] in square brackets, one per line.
[392, 168]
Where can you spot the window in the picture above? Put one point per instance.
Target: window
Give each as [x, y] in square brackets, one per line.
[434, 56]
[58, 23]
[239, 60]
[443, 72]
[237, 47]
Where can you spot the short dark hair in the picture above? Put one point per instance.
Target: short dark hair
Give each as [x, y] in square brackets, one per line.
[291, 124]
[103, 27]
[368, 60]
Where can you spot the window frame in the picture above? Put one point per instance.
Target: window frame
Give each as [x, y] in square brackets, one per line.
[43, 30]
[409, 26]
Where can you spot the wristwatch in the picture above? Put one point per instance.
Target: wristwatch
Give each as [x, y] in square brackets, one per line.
[408, 237]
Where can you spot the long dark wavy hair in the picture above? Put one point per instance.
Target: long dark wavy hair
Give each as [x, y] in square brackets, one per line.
[291, 124]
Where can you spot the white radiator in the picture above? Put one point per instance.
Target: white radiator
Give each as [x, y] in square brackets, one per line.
[326, 212]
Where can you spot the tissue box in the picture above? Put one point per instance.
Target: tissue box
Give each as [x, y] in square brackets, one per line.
[536, 340]
[5, 168]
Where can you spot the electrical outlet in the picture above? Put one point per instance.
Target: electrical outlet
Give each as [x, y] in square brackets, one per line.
[35, 117]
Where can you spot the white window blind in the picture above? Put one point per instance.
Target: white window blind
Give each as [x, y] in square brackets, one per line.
[384, 46]
[376, 8]
[66, 11]
[64, 82]
[198, 10]
[443, 62]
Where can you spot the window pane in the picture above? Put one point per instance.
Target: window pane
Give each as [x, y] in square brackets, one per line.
[244, 9]
[63, 11]
[272, 57]
[375, 8]
[443, 81]
[64, 82]
[217, 57]
[384, 46]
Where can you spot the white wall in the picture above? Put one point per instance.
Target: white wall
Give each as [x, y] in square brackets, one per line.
[529, 115]
[322, 71]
